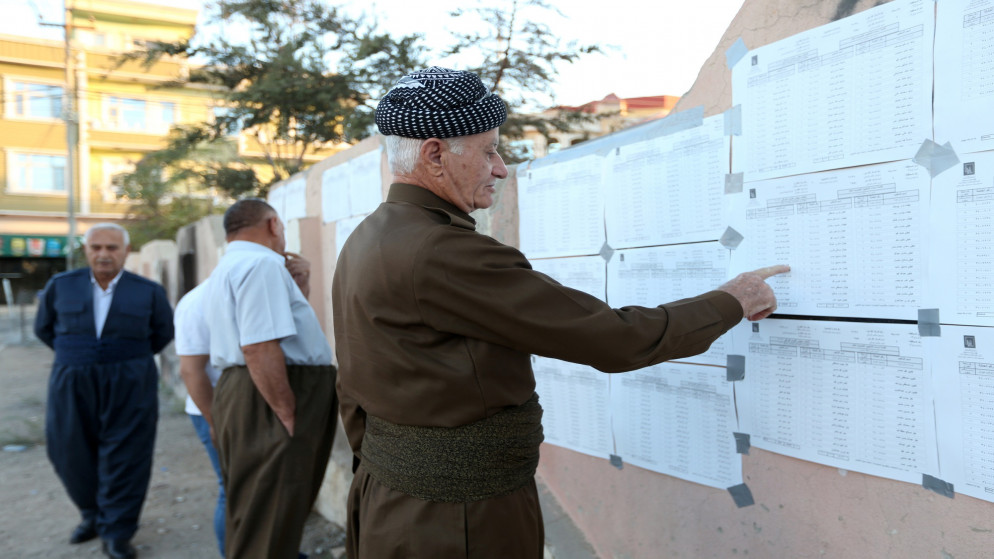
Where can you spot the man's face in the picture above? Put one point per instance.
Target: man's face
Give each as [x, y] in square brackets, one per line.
[473, 173]
[105, 252]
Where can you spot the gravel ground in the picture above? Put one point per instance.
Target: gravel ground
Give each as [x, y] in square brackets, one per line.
[36, 516]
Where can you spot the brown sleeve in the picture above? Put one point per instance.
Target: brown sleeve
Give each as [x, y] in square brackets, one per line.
[471, 285]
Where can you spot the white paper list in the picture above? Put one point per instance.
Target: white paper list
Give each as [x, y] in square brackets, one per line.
[277, 199]
[963, 373]
[855, 239]
[962, 272]
[561, 208]
[574, 397]
[679, 420]
[667, 190]
[584, 273]
[853, 92]
[576, 406]
[365, 183]
[845, 394]
[335, 193]
[295, 199]
[964, 81]
[649, 277]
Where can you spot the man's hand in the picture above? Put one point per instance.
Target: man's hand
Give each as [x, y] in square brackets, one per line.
[267, 367]
[300, 271]
[755, 296]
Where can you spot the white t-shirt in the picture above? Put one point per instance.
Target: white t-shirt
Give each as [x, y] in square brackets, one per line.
[192, 335]
[251, 298]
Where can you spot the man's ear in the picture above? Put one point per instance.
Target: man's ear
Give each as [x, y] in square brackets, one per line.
[274, 225]
[431, 154]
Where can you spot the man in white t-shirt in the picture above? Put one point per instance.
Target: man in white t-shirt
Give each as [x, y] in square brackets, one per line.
[193, 344]
[193, 348]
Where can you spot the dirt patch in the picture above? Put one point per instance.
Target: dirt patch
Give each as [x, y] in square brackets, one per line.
[36, 516]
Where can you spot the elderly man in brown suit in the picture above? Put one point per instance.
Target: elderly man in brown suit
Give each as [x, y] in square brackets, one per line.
[435, 325]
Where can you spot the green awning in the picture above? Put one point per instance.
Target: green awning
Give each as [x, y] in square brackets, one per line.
[36, 246]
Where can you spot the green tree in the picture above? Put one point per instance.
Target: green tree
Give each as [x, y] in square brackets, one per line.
[161, 188]
[518, 56]
[296, 75]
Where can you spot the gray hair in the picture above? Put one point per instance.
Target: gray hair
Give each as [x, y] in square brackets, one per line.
[402, 153]
[107, 227]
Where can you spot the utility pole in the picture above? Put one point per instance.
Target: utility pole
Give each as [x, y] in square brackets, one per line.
[72, 134]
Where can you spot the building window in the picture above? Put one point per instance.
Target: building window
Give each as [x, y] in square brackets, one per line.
[34, 173]
[139, 115]
[113, 178]
[35, 100]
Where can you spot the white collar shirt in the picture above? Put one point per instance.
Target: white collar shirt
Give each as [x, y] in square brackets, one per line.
[251, 298]
[101, 300]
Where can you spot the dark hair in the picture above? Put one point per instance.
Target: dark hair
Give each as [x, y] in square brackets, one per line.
[245, 213]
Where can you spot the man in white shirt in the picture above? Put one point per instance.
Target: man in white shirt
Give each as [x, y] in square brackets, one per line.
[105, 325]
[275, 406]
[200, 377]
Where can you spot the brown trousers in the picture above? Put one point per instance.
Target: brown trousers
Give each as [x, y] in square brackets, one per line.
[272, 479]
[387, 524]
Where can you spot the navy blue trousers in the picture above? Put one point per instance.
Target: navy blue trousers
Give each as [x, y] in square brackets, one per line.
[100, 435]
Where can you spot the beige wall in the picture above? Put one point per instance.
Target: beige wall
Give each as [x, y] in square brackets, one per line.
[802, 509]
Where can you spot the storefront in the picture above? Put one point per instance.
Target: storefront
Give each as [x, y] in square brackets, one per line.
[28, 261]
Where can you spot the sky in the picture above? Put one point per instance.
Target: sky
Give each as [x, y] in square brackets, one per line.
[657, 48]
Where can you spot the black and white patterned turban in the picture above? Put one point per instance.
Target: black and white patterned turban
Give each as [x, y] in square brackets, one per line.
[439, 103]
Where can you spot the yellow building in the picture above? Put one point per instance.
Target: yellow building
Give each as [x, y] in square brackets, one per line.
[122, 112]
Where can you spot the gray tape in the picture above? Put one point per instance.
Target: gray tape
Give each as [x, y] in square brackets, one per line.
[736, 367]
[928, 323]
[936, 158]
[734, 183]
[731, 239]
[733, 121]
[606, 252]
[741, 495]
[935, 484]
[735, 53]
[616, 462]
[742, 443]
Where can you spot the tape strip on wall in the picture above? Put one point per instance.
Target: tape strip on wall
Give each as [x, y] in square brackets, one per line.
[735, 53]
[741, 495]
[733, 121]
[928, 323]
[936, 158]
[735, 367]
[606, 252]
[937, 485]
[742, 443]
[731, 238]
[734, 183]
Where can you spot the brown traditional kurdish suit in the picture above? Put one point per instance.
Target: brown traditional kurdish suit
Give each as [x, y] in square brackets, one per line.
[434, 327]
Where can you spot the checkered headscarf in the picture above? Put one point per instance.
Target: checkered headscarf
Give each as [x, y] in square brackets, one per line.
[439, 103]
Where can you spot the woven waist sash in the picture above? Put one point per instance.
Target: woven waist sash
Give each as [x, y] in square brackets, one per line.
[489, 458]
